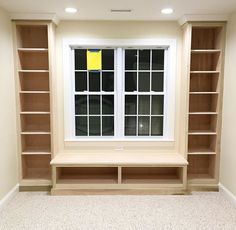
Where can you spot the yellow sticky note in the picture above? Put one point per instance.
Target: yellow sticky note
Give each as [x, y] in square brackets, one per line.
[94, 59]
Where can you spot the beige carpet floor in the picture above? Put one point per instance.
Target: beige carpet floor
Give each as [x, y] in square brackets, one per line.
[199, 211]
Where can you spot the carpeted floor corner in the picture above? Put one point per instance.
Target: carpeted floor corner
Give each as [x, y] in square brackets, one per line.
[40, 211]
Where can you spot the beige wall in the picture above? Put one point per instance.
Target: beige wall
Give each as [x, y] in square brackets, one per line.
[228, 148]
[8, 155]
[115, 30]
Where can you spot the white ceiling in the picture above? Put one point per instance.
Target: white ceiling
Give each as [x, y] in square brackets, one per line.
[100, 9]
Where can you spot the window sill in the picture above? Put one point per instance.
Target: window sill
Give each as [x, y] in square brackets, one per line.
[118, 140]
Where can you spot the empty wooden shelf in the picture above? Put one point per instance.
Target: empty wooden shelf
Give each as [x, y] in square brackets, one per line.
[35, 123]
[30, 81]
[205, 61]
[34, 60]
[36, 142]
[35, 102]
[87, 175]
[201, 167]
[204, 82]
[202, 143]
[32, 36]
[151, 175]
[203, 103]
[36, 167]
[202, 123]
[207, 37]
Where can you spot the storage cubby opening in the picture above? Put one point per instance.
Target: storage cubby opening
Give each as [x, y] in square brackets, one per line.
[202, 123]
[205, 61]
[36, 167]
[33, 60]
[36, 143]
[35, 123]
[201, 143]
[87, 175]
[32, 102]
[201, 166]
[151, 175]
[203, 103]
[32, 36]
[206, 37]
[204, 82]
[34, 81]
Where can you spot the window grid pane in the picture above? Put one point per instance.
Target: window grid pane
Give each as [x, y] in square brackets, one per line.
[94, 96]
[149, 93]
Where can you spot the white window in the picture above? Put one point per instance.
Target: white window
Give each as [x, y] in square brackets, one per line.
[130, 98]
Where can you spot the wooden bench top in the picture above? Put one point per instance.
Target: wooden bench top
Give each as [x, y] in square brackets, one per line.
[119, 159]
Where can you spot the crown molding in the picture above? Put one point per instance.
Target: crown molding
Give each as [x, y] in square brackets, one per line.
[203, 17]
[35, 16]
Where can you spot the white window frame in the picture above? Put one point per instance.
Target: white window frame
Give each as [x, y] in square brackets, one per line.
[119, 45]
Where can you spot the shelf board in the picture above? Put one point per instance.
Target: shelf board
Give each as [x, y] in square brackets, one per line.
[34, 112]
[205, 71]
[124, 159]
[203, 113]
[36, 153]
[205, 51]
[201, 151]
[203, 93]
[33, 71]
[202, 132]
[34, 92]
[32, 49]
[35, 133]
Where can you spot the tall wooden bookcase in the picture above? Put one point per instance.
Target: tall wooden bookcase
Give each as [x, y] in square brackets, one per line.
[33, 55]
[205, 57]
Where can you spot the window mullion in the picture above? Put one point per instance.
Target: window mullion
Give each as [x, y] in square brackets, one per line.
[150, 97]
[137, 112]
[119, 115]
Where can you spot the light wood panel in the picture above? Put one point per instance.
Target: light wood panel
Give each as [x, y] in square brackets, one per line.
[206, 37]
[34, 81]
[150, 175]
[205, 61]
[106, 159]
[36, 143]
[35, 123]
[204, 83]
[203, 103]
[202, 123]
[36, 167]
[35, 102]
[201, 143]
[35, 60]
[201, 166]
[32, 36]
[87, 175]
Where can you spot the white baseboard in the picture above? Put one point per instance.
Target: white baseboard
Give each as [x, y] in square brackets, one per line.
[9, 196]
[228, 195]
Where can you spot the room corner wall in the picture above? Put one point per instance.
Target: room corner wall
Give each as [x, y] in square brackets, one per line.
[8, 138]
[228, 147]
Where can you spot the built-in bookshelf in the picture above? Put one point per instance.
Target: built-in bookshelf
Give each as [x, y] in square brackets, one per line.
[205, 75]
[33, 75]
